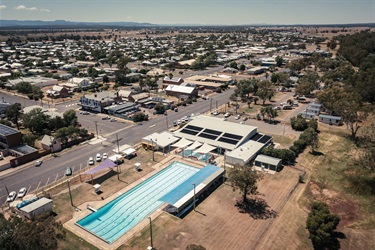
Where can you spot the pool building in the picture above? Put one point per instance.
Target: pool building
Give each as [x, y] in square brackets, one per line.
[177, 187]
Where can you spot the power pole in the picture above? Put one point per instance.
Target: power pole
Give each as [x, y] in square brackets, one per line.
[210, 104]
[96, 126]
[118, 147]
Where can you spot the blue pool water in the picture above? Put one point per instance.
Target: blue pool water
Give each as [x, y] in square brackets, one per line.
[120, 215]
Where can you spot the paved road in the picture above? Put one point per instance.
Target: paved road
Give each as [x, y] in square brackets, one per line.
[53, 168]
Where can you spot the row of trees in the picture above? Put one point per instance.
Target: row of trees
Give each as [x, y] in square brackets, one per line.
[263, 89]
[299, 123]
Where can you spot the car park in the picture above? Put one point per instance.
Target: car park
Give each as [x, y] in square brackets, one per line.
[12, 196]
[22, 192]
[68, 171]
[38, 163]
[91, 161]
[98, 157]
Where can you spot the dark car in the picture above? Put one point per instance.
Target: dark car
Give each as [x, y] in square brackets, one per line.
[68, 171]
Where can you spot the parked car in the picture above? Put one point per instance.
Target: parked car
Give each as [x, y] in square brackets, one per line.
[215, 112]
[105, 156]
[176, 110]
[22, 192]
[38, 163]
[237, 117]
[68, 171]
[226, 115]
[113, 119]
[98, 157]
[106, 118]
[12, 196]
[174, 123]
[244, 119]
[84, 112]
[91, 161]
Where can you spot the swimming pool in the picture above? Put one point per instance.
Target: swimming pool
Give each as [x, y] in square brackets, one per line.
[120, 215]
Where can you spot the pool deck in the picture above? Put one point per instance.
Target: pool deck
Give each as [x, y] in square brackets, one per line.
[83, 211]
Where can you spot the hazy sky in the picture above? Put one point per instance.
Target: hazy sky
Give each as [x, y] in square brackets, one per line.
[193, 11]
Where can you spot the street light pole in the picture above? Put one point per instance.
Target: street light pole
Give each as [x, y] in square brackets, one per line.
[194, 197]
[118, 147]
[96, 126]
[70, 193]
[152, 245]
[152, 148]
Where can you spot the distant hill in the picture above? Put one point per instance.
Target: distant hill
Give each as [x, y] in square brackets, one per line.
[38, 23]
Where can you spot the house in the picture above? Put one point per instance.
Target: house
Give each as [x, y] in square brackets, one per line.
[307, 115]
[331, 120]
[175, 90]
[98, 101]
[265, 163]
[37, 81]
[65, 76]
[256, 70]
[313, 110]
[81, 82]
[58, 91]
[174, 80]
[50, 143]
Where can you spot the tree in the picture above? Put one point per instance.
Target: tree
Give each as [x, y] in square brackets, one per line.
[354, 113]
[265, 91]
[310, 136]
[159, 108]
[279, 61]
[70, 118]
[245, 179]
[268, 111]
[245, 87]
[321, 225]
[298, 123]
[105, 79]
[36, 121]
[24, 87]
[195, 247]
[13, 113]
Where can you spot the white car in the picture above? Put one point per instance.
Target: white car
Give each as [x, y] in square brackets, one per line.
[38, 163]
[91, 161]
[215, 113]
[237, 117]
[105, 156]
[12, 195]
[22, 192]
[113, 120]
[226, 115]
[98, 157]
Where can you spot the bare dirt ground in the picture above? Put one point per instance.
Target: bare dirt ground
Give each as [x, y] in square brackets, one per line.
[219, 223]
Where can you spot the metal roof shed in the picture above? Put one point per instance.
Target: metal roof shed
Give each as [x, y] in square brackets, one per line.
[267, 162]
[43, 205]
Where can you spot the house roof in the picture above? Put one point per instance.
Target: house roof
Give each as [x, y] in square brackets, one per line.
[35, 205]
[47, 140]
[5, 130]
[180, 89]
[268, 160]
[247, 151]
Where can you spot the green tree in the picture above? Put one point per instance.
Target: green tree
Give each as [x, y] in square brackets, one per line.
[265, 91]
[279, 61]
[269, 112]
[70, 118]
[5, 122]
[105, 79]
[299, 123]
[24, 87]
[310, 137]
[159, 108]
[244, 179]
[36, 121]
[13, 113]
[322, 225]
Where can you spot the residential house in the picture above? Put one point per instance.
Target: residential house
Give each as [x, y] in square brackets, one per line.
[81, 82]
[58, 91]
[138, 97]
[50, 143]
[330, 119]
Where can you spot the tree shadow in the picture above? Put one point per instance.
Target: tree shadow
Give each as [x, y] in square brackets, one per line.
[332, 243]
[257, 208]
[317, 153]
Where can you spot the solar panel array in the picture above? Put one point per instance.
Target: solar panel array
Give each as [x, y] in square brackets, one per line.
[212, 134]
[261, 138]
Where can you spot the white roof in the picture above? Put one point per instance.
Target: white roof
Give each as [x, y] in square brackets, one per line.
[268, 159]
[205, 149]
[35, 205]
[180, 89]
[161, 140]
[194, 145]
[247, 151]
[182, 143]
[121, 148]
[129, 151]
